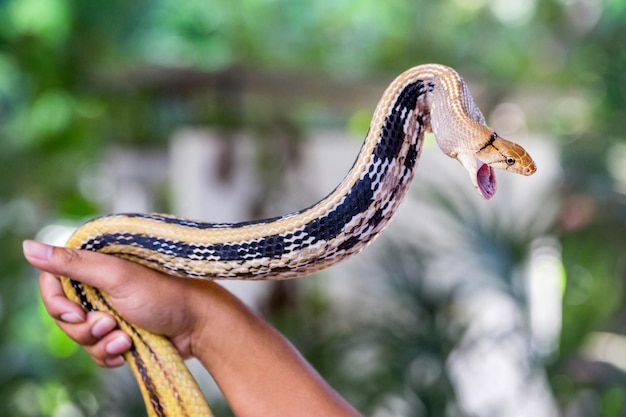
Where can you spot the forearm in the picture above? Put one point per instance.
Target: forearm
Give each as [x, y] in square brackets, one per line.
[257, 369]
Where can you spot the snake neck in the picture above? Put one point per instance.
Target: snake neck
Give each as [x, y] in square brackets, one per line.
[420, 100]
[335, 228]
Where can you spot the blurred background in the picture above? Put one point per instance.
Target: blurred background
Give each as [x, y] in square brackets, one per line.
[236, 110]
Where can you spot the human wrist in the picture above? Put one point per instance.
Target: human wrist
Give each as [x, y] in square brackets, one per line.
[215, 316]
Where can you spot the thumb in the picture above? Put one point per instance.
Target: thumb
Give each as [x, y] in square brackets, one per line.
[91, 268]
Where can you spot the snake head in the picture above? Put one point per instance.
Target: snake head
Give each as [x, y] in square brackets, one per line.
[498, 153]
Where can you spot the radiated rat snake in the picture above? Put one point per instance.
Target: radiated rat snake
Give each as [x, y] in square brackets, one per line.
[424, 98]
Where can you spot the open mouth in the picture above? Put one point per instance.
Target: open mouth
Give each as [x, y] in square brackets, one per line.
[486, 180]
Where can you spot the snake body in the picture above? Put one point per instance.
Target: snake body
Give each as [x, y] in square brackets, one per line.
[425, 98]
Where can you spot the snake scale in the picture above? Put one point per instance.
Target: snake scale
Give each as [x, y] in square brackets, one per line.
[426, 98]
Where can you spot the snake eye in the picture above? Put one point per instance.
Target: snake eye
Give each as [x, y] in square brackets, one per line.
[509, 160]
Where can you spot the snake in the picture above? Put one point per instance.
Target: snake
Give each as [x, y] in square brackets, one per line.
[429, 98]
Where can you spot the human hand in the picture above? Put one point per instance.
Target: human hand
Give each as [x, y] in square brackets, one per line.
[154, 301]
[253, 363]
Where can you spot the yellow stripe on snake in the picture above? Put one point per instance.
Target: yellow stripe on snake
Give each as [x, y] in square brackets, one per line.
[422, 99]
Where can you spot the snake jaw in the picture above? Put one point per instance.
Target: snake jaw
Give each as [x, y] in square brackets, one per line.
[485, 181]
[482, 174]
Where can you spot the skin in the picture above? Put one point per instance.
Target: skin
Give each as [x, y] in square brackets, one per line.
[253, 364]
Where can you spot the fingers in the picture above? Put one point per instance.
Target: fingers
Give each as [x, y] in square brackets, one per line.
[107, 349]
[95, 331]
[99, 336]
[57, 304]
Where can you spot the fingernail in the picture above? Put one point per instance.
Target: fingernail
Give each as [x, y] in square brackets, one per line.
[36, 250]
[103, 326]
[72, 318]
[114, 362]
[118, 345]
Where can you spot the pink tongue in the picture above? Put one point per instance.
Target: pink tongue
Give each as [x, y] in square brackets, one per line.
[486, 180]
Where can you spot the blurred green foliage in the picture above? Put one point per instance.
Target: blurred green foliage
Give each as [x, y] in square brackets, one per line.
[73, 83]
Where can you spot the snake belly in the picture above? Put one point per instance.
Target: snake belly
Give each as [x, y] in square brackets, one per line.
[297, 244]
